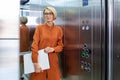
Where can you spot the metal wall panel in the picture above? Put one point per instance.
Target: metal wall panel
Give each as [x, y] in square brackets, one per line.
[71, 41]
[86, 36]
[92, 37]
[84, 48]
[116, 40]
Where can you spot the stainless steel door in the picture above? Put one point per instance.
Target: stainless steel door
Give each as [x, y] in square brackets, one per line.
[116, 40]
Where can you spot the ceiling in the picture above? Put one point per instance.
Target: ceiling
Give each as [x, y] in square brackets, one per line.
[39, 4]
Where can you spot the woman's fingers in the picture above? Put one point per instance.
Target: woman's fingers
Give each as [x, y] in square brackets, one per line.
[49, 50]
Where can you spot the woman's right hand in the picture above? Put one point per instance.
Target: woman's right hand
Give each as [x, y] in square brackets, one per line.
[37, 68]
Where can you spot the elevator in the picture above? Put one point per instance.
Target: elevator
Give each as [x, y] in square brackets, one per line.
[91, 36]
[84, 28]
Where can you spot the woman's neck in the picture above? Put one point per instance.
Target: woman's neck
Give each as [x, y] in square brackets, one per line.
[50, 24]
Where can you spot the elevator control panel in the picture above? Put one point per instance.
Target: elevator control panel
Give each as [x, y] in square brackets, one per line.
[85, 55]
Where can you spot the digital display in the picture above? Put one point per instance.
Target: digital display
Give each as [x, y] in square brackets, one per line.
[85, 2]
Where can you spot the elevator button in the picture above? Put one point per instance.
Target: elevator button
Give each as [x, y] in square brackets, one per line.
[83, 27]
[85, 45]
[82, 62]
[84, 55]
[88, 51]
[87, 69]
[88, 64]
[85, 64]
[87, 27]
[87, 55]
[82, 67]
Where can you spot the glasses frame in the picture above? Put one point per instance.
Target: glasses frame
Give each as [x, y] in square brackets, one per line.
[47, 13]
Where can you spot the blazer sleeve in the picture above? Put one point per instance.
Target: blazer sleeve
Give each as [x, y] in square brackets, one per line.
[36, 39]
[59, 46]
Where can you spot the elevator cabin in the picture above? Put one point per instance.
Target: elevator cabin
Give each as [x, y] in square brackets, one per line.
[84, 27]
[83, 24]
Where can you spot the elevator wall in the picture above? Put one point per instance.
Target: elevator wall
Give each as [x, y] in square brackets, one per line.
[84, 38]
[83, 24]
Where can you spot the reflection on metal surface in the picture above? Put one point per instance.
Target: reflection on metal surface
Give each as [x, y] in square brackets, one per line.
[9, 59]
[115, 26]
[9, 19]
[9, 40]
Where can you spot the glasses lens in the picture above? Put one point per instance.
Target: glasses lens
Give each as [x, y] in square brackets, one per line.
[48, 13]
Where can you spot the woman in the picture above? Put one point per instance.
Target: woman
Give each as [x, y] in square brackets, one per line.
[47, 36]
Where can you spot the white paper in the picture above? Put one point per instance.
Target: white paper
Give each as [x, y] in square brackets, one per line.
[43, 61]
[28, 65]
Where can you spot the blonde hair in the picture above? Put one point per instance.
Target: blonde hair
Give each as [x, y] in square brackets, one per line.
[53, 11]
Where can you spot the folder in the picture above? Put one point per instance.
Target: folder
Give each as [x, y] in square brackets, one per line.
[43, 61]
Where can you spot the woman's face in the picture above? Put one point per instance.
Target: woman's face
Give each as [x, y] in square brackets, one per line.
[48, 15]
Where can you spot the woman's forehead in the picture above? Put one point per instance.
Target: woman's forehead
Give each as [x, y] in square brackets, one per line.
[48, 10]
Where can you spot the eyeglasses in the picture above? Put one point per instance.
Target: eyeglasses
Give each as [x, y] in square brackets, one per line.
[48, 13]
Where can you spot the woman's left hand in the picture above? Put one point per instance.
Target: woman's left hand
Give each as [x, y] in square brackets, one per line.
[49, 49]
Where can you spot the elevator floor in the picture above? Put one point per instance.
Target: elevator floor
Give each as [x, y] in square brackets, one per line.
[72, 77]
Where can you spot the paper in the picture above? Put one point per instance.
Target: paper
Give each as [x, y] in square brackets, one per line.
[28, 65]
[43, 61]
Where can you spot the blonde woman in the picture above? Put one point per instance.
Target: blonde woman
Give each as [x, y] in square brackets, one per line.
[47, 36]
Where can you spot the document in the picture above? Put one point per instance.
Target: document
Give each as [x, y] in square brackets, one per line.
[43, 61]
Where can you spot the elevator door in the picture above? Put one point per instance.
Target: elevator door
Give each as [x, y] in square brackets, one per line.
[116, 41]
